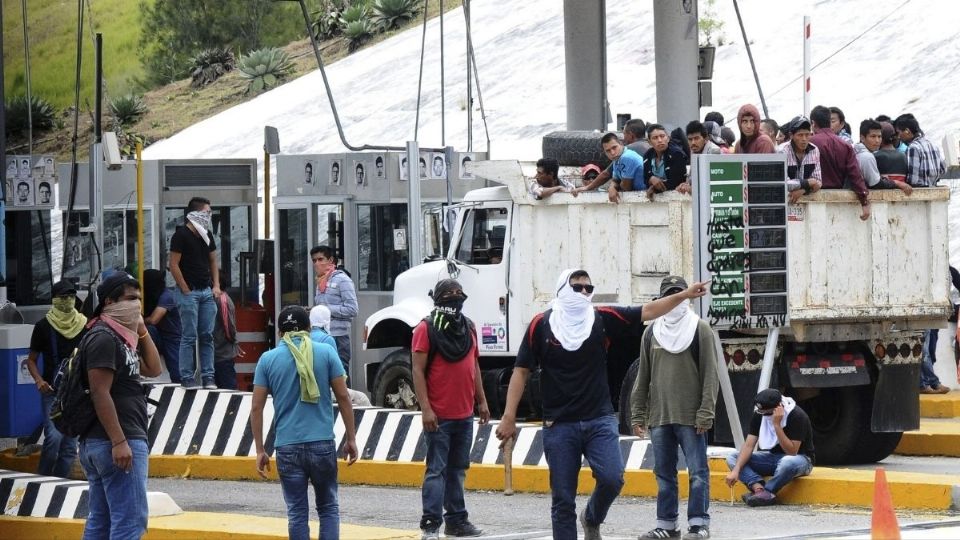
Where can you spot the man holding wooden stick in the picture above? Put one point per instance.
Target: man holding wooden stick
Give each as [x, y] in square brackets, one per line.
[569, 344]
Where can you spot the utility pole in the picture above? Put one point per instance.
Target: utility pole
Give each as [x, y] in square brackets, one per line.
[677, 48]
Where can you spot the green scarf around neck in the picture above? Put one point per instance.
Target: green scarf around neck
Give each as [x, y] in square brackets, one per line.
[303, 356]
[65, 319]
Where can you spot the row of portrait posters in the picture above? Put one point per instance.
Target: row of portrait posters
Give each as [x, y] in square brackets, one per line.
[433, 166]
[30, 181]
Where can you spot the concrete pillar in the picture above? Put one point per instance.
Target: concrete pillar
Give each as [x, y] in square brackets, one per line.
[675, 41]
[585, 43]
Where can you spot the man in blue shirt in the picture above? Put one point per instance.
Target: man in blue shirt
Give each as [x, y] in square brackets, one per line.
[626, 168]
[299, 374]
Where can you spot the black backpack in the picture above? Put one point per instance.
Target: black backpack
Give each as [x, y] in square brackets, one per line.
[72, 412]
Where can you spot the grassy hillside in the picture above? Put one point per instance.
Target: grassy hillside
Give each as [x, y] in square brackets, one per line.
[176, 106]
[53, 35]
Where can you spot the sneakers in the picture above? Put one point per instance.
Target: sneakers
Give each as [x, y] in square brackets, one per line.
[697, 531]
[460, 530]
[209, 385]
[189, 384]
[761, 498]
[590, 532]
[660, 532]
[430, 534]
[938, 389]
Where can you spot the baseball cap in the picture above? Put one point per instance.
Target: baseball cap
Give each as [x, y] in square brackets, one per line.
[588, 168]
[670, 283]
[293, 319]
[110, 284]
[798, 122]
[63, 288]
[768, 399]
[320, 316]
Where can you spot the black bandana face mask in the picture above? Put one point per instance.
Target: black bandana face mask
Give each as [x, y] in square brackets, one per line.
[451, 306]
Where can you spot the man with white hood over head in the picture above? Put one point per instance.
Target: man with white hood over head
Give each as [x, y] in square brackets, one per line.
[569, 344]
[674, 396]
[784, 434]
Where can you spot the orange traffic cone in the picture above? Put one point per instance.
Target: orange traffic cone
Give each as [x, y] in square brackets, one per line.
[883, 525]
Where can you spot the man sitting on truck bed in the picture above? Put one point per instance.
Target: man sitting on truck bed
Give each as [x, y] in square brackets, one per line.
[547, 181]
[626, 169]
[569, 344]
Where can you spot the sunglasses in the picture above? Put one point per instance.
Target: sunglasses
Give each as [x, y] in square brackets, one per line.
[580, 287]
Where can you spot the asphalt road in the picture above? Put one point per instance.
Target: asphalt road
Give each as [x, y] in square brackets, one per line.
[522, 515]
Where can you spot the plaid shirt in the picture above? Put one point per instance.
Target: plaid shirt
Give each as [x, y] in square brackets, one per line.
[808, 168]
[924, 163]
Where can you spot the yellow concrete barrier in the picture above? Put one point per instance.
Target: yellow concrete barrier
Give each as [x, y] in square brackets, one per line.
[940, 405]
[940, 437]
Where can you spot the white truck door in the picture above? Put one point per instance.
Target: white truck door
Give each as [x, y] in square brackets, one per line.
[480, 259]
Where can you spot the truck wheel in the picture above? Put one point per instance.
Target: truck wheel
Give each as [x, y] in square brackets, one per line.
[575, 148]
[625, 390]
[394, 385]
[837, 416]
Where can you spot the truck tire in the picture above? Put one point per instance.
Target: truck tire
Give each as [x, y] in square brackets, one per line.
[625, 390]
[393, 387]
[837, 417]
[575, 148]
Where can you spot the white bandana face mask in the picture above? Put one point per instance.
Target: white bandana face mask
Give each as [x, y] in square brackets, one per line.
[572, 315]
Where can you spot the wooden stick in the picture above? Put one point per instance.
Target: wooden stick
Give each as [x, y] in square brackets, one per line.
[508, 465]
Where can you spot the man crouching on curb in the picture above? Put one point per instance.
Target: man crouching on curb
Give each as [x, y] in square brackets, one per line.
[446, 377]
[785, 437]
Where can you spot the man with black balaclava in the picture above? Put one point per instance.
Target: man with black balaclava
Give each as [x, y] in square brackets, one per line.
[569, 344]
[54, 338]
[446, 376]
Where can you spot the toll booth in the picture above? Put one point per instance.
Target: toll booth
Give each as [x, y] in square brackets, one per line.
[168, 185]
[357, 204]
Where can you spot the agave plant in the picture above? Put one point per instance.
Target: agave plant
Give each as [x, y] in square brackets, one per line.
[265, 68]
[42, 114]
[211, 64]
[357, 32]
[354, 13]
[390, 14]
[326, 20]
[127, 109]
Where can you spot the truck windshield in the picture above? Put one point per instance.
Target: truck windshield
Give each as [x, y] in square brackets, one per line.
[483, 234]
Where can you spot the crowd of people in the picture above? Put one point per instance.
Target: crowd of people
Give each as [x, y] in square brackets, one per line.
[820, 153]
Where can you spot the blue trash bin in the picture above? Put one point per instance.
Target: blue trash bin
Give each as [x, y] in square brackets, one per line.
[20, 413]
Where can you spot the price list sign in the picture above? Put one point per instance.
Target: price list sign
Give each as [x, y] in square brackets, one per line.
[743, 240]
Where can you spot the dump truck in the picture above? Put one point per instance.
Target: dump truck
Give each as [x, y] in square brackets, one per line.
[860, 295]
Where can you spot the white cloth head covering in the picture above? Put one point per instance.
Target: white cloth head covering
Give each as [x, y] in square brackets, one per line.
[572, 317]
[675, 329]
[767, 438]
[320, 317]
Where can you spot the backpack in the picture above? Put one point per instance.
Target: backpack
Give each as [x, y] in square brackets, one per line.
[72, 412]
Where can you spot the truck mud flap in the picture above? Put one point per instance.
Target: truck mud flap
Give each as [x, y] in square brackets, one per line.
[896, 404]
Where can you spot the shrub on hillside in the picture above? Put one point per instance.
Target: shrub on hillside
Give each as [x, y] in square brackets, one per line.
[127, 109]
[210, 65]
[390, 14]
[42, 114]
[357, 32]
[326, 20]
[265, 68]
[353, 13]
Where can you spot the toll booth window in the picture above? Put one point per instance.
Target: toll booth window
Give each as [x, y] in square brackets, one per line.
[437, 222]
[294, 257]
[231, 229]
[119, 243]
[484, 233]
[29, 263]
[330, 227]
[382, 246]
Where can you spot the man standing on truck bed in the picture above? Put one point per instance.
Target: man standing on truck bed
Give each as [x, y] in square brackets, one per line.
[569, 344]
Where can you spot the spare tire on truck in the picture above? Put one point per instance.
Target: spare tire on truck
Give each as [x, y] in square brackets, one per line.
[575, 148]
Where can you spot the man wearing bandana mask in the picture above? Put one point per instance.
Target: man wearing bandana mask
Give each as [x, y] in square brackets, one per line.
[193, 265]
[116, 352]
[569, 344]
[675, 397]
[446, 377]
[54, 338]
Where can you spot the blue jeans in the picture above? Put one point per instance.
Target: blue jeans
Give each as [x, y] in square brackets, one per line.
[58, 453]
[447, 461]
[782, 467]
[316, 462]
[343, 349]
[118, 500]
[565, 444]
[169, 349]
[927, 376]
[665, 440]
[198, 312]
